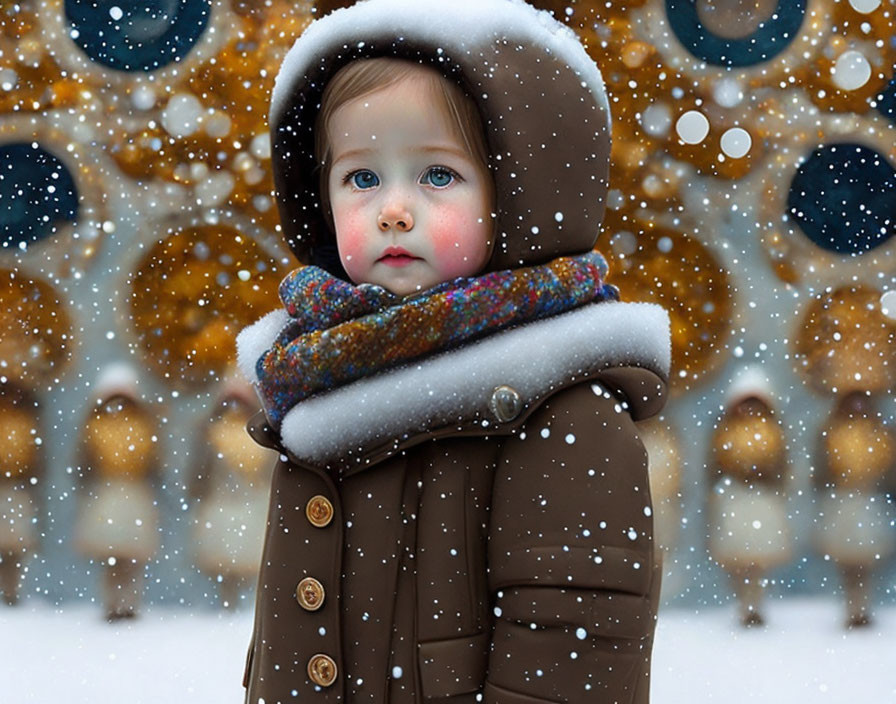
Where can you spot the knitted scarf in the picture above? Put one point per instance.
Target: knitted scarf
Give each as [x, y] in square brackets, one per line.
[339, 332]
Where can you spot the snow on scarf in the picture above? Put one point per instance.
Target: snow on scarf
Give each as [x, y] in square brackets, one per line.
[339, 333]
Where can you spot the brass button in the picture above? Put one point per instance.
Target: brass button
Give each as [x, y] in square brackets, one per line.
[505, 403]
[319, 511]
[322, 670]
[310, 594]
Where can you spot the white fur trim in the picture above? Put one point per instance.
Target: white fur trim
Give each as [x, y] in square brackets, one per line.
[532, 359]
[456, 26]
[256, 339]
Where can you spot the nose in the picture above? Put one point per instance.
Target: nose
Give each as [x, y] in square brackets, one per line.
[394, 215]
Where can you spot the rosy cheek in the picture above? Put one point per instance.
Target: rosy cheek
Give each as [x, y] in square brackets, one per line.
[456, 241]
[350, 239]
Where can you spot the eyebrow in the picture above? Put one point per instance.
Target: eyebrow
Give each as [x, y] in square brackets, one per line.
[448, 150]
[352, 153]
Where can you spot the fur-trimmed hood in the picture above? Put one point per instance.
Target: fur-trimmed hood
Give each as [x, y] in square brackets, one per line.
[541, 97]
[546, 117]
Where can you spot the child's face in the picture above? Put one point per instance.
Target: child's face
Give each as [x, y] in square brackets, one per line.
[411, 207]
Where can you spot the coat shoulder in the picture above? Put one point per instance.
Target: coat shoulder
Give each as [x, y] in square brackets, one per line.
[643, 389]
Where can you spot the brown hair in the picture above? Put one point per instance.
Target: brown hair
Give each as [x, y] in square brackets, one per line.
[366, 76]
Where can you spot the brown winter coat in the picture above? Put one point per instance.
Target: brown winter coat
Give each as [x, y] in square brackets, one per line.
[515, 558]
[478, 523]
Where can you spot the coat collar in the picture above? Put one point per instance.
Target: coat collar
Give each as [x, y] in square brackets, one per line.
[455, 392]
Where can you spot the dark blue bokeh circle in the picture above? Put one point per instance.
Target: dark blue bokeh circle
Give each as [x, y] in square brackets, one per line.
[769, 39]
[137, 35]
[37, 193]
[886, 100]
[844, 198]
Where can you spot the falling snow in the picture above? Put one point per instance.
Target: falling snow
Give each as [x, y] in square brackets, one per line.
[752, 194]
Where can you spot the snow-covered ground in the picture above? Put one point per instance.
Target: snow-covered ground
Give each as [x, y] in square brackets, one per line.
[169, 655]
[803, 655]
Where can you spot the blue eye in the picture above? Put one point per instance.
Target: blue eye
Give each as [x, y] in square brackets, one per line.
[438, 177]
[364, 179]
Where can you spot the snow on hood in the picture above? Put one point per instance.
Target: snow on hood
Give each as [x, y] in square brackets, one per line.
[541, 96]
[457, 26]
[117, 379]
[750, 381]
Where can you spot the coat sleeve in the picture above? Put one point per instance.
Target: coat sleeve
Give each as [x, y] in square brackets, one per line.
[571, 555]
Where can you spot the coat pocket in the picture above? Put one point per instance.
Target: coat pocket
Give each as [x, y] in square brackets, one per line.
[455, 666]
[605, 614]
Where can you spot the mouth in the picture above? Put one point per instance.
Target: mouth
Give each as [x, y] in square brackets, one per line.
[397, 256]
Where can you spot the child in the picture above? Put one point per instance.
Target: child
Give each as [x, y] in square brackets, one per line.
[856, 464]
[230, 489]
[461, 507]
[118, 521]
[747, 507]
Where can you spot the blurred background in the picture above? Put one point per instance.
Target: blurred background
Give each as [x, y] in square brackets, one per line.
[753, 194]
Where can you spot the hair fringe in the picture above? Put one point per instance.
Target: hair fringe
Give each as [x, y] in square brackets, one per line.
[366, 76]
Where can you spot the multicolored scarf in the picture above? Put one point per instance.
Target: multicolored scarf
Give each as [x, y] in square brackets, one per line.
[340, 333]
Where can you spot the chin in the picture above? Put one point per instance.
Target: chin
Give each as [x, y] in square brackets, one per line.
[402, 288]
